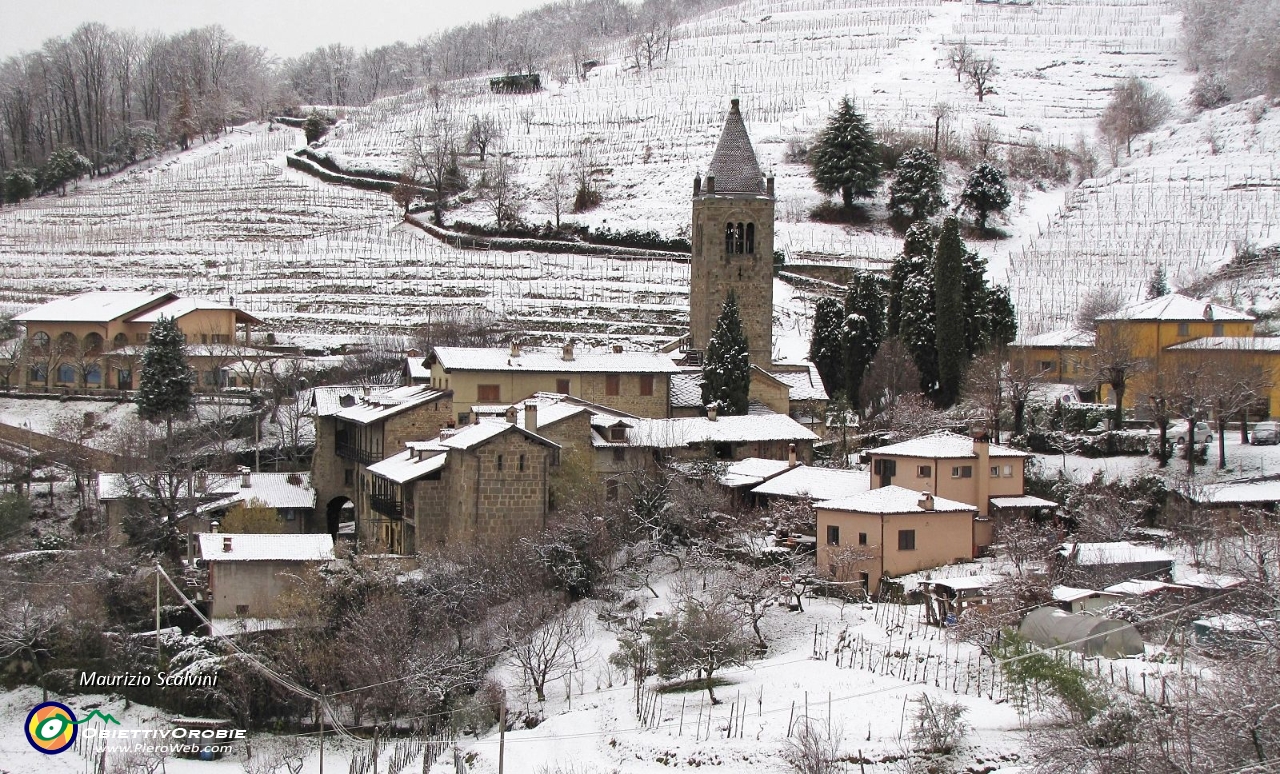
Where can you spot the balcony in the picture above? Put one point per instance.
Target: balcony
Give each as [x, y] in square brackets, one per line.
[387, 506]
[353, 453]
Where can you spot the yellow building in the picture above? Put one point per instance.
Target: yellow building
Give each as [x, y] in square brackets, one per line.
[1062, 356]
[1249, 357]
[94, 340]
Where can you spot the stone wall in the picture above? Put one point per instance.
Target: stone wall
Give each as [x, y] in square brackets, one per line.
[713, 274]
[488, 504]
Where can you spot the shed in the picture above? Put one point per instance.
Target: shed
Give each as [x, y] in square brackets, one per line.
[1106, 637]
[1074, 600]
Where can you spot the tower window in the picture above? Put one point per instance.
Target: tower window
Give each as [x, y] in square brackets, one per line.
[741, 237]
[751, 238]
[728, 238]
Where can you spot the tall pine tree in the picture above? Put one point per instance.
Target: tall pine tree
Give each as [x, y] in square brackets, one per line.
[166, 382]
[845, 158]
[1003, 318]
[916, 190]
[826, 347]
[916, 260]
[862, 332]
[977, 305]
[726, 375]
[950, 336]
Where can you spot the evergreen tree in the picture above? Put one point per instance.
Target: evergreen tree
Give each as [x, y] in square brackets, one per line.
[19, 184]
[63, 166]
[862, 331]
[1158, 285]
[986, 191]
[1002, 317]
[916, 190]
[976, 304]
[165, 382]
[919, 327]
[950, 332]
[726, 376]
[826, 347]
[844, 158]
[916, 259]
[314, 127]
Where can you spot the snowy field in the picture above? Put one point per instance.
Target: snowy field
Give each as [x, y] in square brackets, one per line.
[229, 220]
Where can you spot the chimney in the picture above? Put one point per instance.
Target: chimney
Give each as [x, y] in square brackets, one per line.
[926, 501]
[711, 412]
[617, 349]
[1208, 311]
[448, 432]
[202, 481]
[226, 544]
[511, 414]
[768, 185]
[711, 184]
[982, 449]
[566, 352]
[531, 417]
[697, 185]
[791, 456]
[244, 477]
[515, 349]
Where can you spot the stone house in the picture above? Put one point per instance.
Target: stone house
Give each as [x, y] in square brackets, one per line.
[486, 482]
[634, 382]
[248, 573]
[891, 531]
[93, 341]
[795, 390]
[359, 426]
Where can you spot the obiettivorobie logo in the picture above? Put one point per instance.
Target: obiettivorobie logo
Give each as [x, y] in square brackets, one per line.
[52, 727]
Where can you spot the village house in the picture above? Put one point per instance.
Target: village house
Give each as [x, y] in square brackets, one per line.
[891, 531]
[287, 501]
[637, 383]
[94, 341]
[1099, 565]
[792, 389]
[483, 483]
[358, 426]
[1062, 357]
[248, 573]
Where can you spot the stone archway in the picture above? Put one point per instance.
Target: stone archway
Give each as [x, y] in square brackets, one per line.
[339, 510]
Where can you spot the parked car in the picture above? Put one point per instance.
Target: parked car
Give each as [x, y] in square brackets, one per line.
[1203, 433]
[1265, 433]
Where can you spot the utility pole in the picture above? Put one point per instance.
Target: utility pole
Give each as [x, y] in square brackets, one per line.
[502, 734]
[322, 729]
[157, 619]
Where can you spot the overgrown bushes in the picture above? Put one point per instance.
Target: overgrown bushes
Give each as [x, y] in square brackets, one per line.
[1112, 443]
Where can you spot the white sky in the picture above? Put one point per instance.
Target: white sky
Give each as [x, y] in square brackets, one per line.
[284, 27]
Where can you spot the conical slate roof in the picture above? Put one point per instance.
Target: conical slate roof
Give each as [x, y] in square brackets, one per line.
[734, 164]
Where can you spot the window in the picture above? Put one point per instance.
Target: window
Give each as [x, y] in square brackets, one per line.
[962, 471]
[242, 610]
[488, 393]
[562, 386]
[40, 342]
[499, 462]
[348, 477]
[618, 434]
[1184, 329]
[521, 463]
[1218, 330]
[464, 417]
[728, 239]
[66, 373]
[995, 471]
[220, 338]
[1008, 471]
[862, 538]
[210, 378]
[93, 375]
[141, 338]
[751, 238]
[739, 238]
[93, 344]
[924, 471]
[646, 384]
[906, 540]
[619, 455]
[612, 384]
[1046, 365]
[833, 535]
[611, 491]
[204, 338]
[37, 373]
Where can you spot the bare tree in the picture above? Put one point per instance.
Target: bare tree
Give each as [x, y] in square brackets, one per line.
[1024, 377]
[432, 152]
[13, 353]
[556, 192]
[544, 640]
[502, 192]
[980, 73]
[814, 747]
[959, 55]
[1237, 384]
[891, 376]
[1136, 107]
[1114, 364]
[985, 386]
[941, 111]
[483, 132]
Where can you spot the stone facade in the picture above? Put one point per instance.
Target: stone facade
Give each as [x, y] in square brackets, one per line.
[714, 272]
[513, 386]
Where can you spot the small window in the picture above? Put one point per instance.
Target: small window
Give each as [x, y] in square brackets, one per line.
[464, 417]
[619, 455]
[612, 384]
[140, 337]
[646, 384]
[862, 538]
[833, 535]
[93, 375]
[1008, 471]
[906, 540]
[739, 239]
[1184, 329]
[618, 434]
[1218, 330]
[520, 465]
[499, 462]
[611, 491]
[728, 239]
[348, 477]
[488, 393]
[204, 338]
[1046, 365]
[242, 610]
[924, 471]
[751, 238]
[219, 338]
[562, 386]
[995, 471]
[962, 471]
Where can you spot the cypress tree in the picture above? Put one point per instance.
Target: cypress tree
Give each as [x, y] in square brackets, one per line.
[165, 381]
[919, 328]
[977, 305]
[916, 260]
[726, 375]
[826, 347]
[950, 334]
[862, 331]
[844, 158]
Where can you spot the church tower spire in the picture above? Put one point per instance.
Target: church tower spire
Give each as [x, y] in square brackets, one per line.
[733, 212]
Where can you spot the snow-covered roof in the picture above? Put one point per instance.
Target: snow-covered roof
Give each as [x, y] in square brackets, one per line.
[265, 548]
[751, 471]
[409, 465]
[1252, 492]
[327, 401]
[734, 164]
[549, 412]
[893, 499]
[471, 436]
[686, 390]
[970, 582]
[377, 407]
[99, 306]
[1067, 338]
[1120, 552]
[805, 385]
[1235, 622]
[1204, 580]
[1025, 501]
[417, 368]
[274, 490]
[683, 431]
[185, 305]
[816, 483]
[1140, 588]
[1176, 307]
[943, 444]
[1232, 344]
[547, 361]
[1071, 594]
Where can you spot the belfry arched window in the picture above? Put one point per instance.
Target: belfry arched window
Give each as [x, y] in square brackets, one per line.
[728, 238]
[739, 241]
[751, 238]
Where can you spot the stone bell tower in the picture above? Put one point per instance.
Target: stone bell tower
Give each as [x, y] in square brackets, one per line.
[733, 243]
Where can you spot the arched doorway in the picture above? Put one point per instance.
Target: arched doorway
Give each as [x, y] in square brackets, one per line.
[339, 511]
